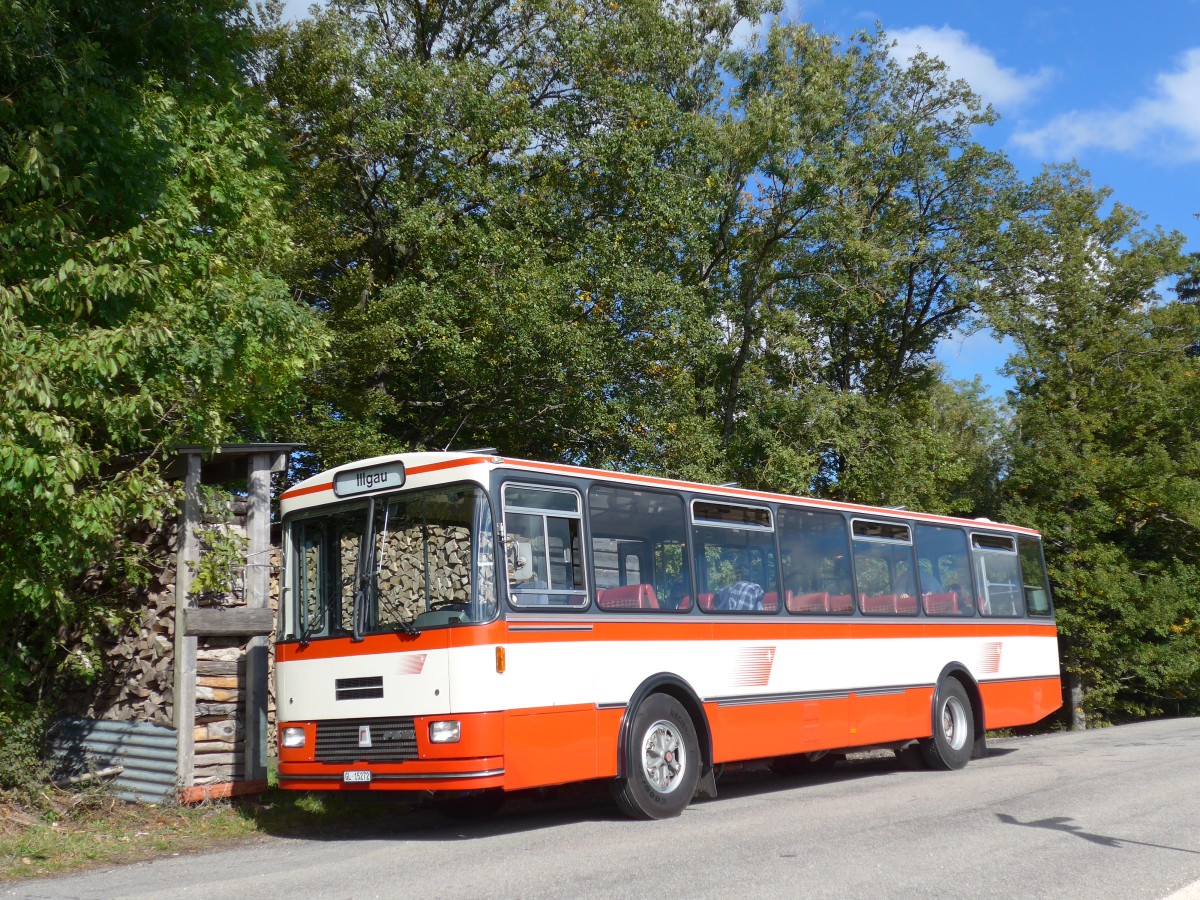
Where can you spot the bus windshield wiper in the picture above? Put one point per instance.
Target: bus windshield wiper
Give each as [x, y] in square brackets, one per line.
[406, 627]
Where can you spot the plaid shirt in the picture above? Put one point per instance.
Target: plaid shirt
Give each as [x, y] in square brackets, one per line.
[739, 595]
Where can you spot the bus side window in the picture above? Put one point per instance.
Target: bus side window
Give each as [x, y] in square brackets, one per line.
[999, 575]
[638, 557]
[815, 548]
[944, 571]
[735, 557]
[544, 546]
[883, 568]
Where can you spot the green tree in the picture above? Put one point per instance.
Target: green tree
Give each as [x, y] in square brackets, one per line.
[138, 306]
[859, 217]
[1106, 458]
[491, 200]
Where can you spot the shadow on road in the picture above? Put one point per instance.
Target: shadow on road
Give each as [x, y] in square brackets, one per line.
[384, 816]
[1066, 825]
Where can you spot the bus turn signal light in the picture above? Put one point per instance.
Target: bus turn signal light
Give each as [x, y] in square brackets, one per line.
[500, 660]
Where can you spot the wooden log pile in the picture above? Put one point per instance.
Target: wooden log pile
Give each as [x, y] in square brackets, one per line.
[220, 747]
[135, 681]
[402, 573]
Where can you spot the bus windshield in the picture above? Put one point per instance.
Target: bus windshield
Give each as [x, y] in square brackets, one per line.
[398, 562]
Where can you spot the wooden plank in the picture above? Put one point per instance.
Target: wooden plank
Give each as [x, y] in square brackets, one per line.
[220, 667]
[226, 730]
[208, 762]
[206, 750]
[231, 682]
[235, 622]
[217, 695]
[217, 710]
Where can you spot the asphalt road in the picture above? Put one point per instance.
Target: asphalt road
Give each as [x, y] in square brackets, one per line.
[1108, 813]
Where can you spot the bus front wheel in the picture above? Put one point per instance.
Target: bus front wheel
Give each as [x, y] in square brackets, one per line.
[662, 763]
[953, 728]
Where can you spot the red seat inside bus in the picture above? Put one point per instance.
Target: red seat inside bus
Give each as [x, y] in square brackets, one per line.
[627, 596]
[819, 602]
[841, 603]
[903, 604]
[706, 601]
[880, 603]
[941, 604]
[808, 603]
[770, 601]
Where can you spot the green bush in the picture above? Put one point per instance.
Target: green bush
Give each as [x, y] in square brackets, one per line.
[23, 766]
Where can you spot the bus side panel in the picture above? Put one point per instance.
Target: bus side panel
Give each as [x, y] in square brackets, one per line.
[608, 729]
[550, 746]
[881, 718]
[774, 729]
[1009, 703]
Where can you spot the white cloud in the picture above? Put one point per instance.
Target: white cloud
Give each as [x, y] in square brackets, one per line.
[1164, 124]
[750, 33]
[1000, 86]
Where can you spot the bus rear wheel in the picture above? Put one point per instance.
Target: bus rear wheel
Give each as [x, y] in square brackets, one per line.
[953, 728]
[662, 762]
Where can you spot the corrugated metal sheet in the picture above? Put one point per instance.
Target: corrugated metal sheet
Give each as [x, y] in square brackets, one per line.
[146, 751]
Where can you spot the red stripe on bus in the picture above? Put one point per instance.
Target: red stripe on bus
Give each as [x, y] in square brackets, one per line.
[311, 489]
[448, 464]
[415, 470]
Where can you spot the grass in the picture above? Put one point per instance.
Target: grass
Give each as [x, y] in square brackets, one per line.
[56, 832]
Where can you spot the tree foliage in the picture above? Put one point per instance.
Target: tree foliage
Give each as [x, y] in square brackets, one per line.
[139, 308]
[490, 196]
[1106, 456]
[858, 216]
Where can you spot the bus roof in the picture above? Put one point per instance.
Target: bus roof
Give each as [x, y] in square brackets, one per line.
[423, 468]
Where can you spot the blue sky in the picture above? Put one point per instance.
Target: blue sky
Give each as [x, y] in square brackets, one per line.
[1114, 86]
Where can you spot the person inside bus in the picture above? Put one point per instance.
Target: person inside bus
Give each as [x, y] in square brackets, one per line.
[743, 593]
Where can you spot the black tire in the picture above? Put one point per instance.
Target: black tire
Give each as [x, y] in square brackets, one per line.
[953, 737]
[662, 761]
[805, 763]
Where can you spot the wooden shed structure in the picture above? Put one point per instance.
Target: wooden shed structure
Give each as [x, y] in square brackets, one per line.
[221, 697]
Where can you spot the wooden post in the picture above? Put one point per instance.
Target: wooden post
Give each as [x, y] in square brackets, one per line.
[184, 691]
[258, 562]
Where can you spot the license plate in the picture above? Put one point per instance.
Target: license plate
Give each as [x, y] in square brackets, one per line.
[356, 777]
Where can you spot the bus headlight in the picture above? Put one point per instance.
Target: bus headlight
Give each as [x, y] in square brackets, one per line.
[294, 737]
[445, 732]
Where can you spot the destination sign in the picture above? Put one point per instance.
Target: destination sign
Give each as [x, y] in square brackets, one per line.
[371, 478]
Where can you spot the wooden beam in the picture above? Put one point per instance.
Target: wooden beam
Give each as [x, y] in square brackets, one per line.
[258, 586]
[235, 622]
[188, 554]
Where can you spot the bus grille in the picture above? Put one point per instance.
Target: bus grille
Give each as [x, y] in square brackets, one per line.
[393, 738]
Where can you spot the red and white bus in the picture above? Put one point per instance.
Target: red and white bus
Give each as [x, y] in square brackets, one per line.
[465, 622]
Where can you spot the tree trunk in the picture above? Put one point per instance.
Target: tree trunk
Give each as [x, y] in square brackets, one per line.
[1075, 698]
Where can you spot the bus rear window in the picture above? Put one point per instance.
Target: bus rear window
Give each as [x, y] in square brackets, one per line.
[1033, 577]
